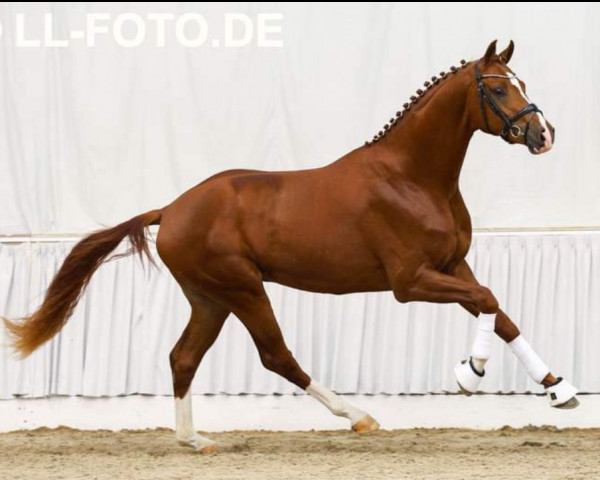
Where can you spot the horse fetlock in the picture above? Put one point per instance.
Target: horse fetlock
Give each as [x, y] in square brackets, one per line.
[339, 409]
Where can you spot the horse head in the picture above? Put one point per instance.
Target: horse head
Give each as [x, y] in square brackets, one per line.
[503, 107]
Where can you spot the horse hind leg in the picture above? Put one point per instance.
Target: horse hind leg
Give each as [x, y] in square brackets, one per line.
[253, 308]
[206, 321]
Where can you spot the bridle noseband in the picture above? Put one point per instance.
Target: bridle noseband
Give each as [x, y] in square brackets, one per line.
[509, 122]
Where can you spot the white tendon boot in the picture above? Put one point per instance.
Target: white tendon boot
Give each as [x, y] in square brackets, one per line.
[561, 394]
[469, 373]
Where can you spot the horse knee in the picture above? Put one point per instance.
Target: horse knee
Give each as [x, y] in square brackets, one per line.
[486, 301]
[182, 364]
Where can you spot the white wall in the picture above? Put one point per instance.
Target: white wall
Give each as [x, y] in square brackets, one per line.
[92, 136]
[217, 413]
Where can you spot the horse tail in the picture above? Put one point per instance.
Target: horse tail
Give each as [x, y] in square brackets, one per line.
[29, 333]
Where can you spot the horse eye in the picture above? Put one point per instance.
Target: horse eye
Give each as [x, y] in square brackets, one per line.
[499, 91]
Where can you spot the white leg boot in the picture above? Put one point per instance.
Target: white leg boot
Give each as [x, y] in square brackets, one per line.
[469, 373]
[561, 394]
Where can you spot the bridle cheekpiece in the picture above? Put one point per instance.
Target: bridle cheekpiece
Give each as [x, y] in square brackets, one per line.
[509, 128]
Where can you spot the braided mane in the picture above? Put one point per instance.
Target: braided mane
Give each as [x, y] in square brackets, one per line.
[413, 100]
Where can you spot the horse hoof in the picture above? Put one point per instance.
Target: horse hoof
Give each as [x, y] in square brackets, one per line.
[367, 424]
[209, 449]
[200, 444]
[467, 377]
[462, 391]
[569, 404]
[562, 395]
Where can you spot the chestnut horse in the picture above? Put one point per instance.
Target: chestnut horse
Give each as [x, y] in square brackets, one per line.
[386, 216]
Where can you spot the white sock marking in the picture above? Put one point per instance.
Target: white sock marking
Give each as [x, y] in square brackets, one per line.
[184, 424]
[336, 404]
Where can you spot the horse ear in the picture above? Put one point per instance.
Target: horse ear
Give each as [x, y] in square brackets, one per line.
[506, 55]
[490, 52]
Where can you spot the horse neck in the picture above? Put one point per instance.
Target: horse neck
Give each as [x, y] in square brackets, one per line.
[429, 144]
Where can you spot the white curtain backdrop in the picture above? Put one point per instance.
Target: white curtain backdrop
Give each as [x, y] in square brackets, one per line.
[91, 136]
[120, 336]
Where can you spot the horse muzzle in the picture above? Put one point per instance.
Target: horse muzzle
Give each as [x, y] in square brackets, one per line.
[540, 135]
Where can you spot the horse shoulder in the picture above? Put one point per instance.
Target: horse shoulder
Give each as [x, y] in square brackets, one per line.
[411, 208]
[409, 226]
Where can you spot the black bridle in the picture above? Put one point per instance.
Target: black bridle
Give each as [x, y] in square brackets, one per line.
[509, 122]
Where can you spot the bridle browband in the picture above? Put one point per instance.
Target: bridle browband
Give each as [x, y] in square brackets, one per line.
[509, 122]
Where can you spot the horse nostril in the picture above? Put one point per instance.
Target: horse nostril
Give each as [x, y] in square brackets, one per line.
[542, 137]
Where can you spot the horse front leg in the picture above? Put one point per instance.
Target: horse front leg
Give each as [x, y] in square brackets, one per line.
[560, 392]
[426, 284]
[430, 285]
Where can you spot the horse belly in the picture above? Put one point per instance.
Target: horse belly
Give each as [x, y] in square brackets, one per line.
[302, 231]
[328, 277]
[329, 259]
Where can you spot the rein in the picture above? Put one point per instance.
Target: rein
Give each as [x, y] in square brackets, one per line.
[509, 122]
